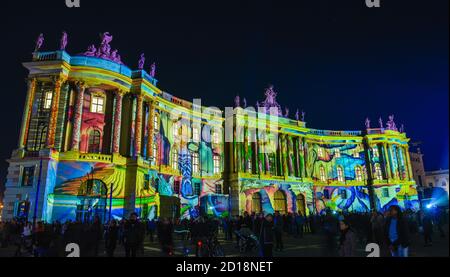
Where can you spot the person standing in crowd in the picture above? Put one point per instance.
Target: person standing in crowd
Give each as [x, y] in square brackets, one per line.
[347, 241]
[278, 228]
[397, 232]
[266, 235]
[111, 238]
[151, 228]
[427, 228]
[95, 234]
[27, 237]
[132, 235]
[165, 231]
[330, 226]
[377, 225]
[299, 222]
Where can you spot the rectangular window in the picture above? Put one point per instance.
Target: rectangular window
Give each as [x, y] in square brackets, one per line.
[375, 152]
[197, 188]
[337, 153]
[218, 189]
[216, 162]
[343, 193]
[385, 192]
[155, 151]
[195, 163]
[48, 100]
[97, 104]
[216, 137]
[195, 134]
[155, 123]
[27, 176]
[176, 187]
[146, 181]
[175, 159]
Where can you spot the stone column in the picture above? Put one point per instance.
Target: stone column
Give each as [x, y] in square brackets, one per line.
[138, 130]
[151, 128]
[408, 163]
[387, 162]
[27, 112]
[117, 121]
[54, 111]
[77, 116]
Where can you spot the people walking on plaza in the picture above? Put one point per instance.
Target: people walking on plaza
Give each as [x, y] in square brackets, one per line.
[132, 236]
[165, 232]
[427, 228]
[397, 232]
[278, 230]
[347, 241]
[266, 235]
[111, 237]
[299, 221]
[330, 226]
[151, 228]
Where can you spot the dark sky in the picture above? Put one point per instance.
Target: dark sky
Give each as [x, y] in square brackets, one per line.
[338, 60]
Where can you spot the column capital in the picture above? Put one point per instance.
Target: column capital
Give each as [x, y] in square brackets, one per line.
[59, 79]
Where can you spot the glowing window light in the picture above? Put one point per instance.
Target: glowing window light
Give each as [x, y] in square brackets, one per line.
[337, 153]
[340, 174]
[216, 162]
[97, 104]
[378, 172]
[195, 163]
[358, 173]
[323, 176]
[175, 159]
[48, 100]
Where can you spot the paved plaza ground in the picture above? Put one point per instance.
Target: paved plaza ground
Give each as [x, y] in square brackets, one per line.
[311, 245]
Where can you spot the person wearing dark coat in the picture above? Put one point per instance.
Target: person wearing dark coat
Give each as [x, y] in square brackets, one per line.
[266, 236]
[112, 234]
[347, 241]
[278, 228]
[132, 236]
[396, 232]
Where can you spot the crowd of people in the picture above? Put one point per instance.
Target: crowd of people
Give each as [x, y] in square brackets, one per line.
[342, 233]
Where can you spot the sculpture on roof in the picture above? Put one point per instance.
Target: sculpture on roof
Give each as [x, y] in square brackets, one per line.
[63, 42]
[237, 101]
[244, 103]
[39, 42]
[153, 70]
[141, 62]
[104, 50]
[367, 123]
[303, 116]
[390, 124]
[402, 129]
[297, 115]
[286, 112]
[380, 121]
[270, 101]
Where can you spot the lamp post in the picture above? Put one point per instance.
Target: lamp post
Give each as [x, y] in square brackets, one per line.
[110, 201]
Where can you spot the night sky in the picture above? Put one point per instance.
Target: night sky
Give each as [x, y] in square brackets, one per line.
[337, 60]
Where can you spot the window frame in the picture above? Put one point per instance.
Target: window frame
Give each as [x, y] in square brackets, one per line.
[47, 100]
[94, 108]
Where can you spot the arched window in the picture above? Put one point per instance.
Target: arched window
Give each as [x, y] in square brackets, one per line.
[94, 141]
[279, 199]
[175, 159]
[323, 175]
[218, 188]
[340, 174]
[320, 152]
[337, 153]
[256, 202]
[358, 173]
[301, 205]
[378, 172]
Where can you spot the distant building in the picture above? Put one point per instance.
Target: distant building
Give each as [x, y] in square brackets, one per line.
[437, 179]
[418, 167]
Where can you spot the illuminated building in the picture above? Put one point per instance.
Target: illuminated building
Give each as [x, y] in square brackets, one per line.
[98, 138]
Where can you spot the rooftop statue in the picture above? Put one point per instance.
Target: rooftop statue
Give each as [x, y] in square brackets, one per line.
[367, 123]
[402, 129]
[39, 42]
[104, 50]
[245, 103]
[380, 121]
[141, 62]
[63, 42]
[270, 101]
[286, 112]
[153, 70]
[237, 101]
[297, 115]
[390, 124]
[303, 116]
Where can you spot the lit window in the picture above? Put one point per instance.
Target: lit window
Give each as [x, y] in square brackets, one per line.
[375, 151]
[356, 153]
[94, 141]
[195, 134]
[175, 159]
[197, 188]
[155, 122]
[195, 163]
[216, 137]
[97, 104]
[320, 152]
[358, 173]
[337, 153]
[216, 161]
[218, 188]
[340, 174]
[378, 172]
[48, 100]
[249, 165]
[27, 176]
[323, 176]
[176, 129]
[385, 192]
[155, 151]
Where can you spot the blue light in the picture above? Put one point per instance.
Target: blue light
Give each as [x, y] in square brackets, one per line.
[429, 206]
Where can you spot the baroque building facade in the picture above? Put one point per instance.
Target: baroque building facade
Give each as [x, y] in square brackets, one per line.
[100, 139]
